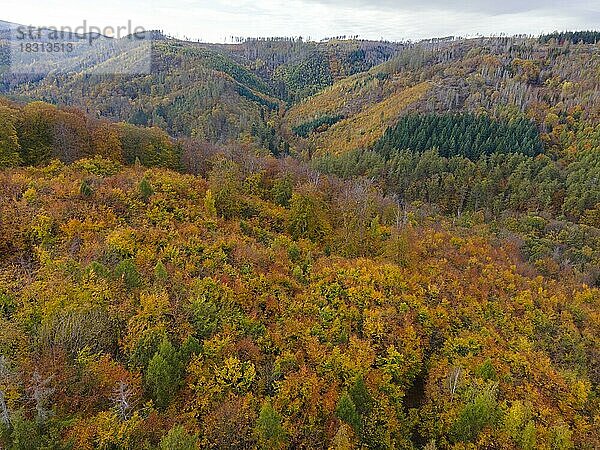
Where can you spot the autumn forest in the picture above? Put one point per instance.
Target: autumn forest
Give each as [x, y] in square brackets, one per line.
[288, 244]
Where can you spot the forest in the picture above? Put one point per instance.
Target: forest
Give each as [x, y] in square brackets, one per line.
[466, 135]
[577, 37]
[258, 304]
[283, 244]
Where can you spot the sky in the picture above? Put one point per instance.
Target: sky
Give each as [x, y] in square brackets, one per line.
[395, 20]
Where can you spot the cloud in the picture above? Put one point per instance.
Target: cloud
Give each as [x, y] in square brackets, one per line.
[485, 7]
[215, 20]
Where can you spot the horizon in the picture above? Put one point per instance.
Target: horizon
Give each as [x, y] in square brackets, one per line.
[232, 40]
[398, 21]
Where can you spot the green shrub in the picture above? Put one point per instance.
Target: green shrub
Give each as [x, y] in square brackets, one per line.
[179, 439]
[481, 411]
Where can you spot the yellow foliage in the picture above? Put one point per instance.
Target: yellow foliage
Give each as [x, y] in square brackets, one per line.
[344, 438]
[122, 241]
[332, 99]
[112, 432]
[365, 128]
[236, 375]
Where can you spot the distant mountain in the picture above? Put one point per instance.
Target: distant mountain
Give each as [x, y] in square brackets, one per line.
[46, 31]
[501, 77]
[217, 92]
[7, 25]
[342, 94]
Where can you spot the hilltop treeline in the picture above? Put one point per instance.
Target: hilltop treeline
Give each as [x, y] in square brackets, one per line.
[573, 37]
[38, 132]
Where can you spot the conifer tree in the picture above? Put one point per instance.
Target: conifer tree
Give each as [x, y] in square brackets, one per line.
[9, 142]
[346, 411]
[163, 375]
[270, 432]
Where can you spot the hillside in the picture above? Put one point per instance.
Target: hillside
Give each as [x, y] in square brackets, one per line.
[297, 68]
[501, 77]
[251, 309]
[365, 128]
[216, 92]
[285, 244]
[191, 92]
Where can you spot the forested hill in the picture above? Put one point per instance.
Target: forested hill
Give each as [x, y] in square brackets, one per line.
[490, 126]
[215, 92]
[282, 244]
[223, 92]
[544, 80]
[299, 69]
[192, 91]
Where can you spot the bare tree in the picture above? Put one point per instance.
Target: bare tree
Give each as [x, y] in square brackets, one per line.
[453, 381]
[4, 413]
[401, 211]
[123, 398]
[40, 392]
[4, 375]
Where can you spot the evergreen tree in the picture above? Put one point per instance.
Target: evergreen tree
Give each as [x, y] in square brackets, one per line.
[346, 411]
[85, 189]
[460, 135]
[163, 375]
[270, 432]
[160, 272]
[145, 189]
[361, 397]
[127, 271]
[9, 142]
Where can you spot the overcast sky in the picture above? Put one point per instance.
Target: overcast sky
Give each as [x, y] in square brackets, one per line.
[215, 20]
